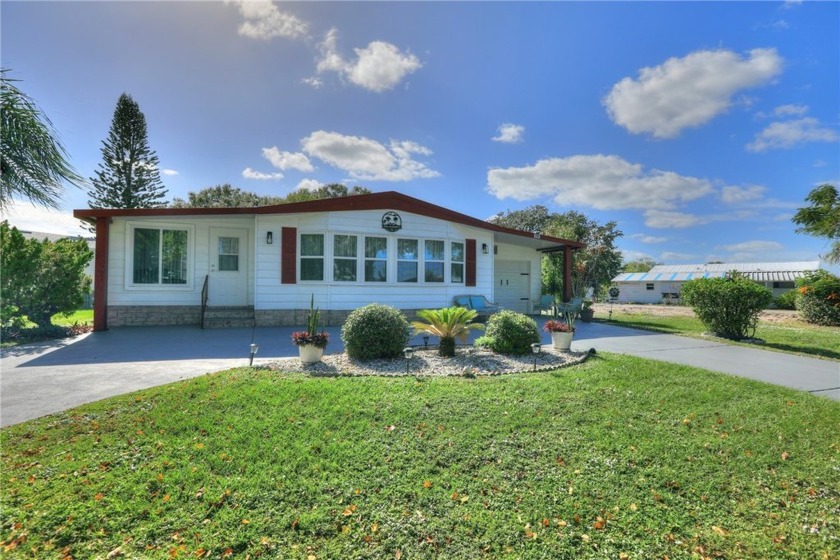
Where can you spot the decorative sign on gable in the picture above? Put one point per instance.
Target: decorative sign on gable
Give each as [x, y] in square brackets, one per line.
[391, 221]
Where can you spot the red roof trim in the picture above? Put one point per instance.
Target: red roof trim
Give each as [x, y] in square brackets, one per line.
[389, 200]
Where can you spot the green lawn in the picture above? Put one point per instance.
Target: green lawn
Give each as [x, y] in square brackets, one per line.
[82, 317]
[795, 337]
[617, 458]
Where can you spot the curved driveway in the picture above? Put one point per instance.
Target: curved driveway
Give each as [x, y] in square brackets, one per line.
[43, 378]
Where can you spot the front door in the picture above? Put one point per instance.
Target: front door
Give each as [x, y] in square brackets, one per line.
[228, 285]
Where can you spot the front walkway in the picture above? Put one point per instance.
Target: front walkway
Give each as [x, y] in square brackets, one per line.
[43, 378]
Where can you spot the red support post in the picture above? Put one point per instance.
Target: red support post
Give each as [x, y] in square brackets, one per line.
[100, 275]
[567, 273]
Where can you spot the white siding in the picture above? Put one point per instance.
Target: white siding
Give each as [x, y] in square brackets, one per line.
[515, 254]
[120, 293]
[637, 292]
[271, 294]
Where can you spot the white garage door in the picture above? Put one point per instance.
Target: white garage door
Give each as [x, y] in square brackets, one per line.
[513, 281]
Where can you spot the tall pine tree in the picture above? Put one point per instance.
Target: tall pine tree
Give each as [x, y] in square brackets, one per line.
[128, 175]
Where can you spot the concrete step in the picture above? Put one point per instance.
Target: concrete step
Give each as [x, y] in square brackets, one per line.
[228, 317]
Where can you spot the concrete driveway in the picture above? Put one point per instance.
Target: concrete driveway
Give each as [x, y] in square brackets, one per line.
[40, 379]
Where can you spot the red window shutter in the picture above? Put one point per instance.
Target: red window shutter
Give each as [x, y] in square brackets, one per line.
[288, 255]
[470, 273]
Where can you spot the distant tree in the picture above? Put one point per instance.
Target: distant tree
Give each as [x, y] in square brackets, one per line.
[221, 196]
[639, 265]
[33, 163]
[594, 266]
[226, 196]
[41, 278]
[128, 176]
[822, 218]
[332, 190]
[535, 219]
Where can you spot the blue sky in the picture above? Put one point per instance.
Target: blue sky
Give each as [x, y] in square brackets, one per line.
[699, 127]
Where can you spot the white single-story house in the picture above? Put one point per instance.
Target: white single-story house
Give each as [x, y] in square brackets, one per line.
[158, 266]
[662, 283]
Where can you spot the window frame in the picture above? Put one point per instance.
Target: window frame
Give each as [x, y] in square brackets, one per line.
[366, 259]
[355, 259]
[462, 262]
[131, 227]
[323, 257]
[391, 259]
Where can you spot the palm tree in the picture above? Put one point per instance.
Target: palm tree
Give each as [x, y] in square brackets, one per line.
[33, 163]
[448, 323]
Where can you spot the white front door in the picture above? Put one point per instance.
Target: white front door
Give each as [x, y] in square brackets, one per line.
[228, 285]
[513, 282]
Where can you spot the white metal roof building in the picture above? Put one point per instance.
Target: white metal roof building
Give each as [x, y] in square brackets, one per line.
[662, 283]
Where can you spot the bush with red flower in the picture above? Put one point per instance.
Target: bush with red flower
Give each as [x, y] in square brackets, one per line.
[558, 326]
[819, 298]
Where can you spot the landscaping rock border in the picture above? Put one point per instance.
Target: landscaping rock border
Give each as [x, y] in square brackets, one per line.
[467, 362]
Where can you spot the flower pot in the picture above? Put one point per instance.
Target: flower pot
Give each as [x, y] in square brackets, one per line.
[586, 315]
[562, 340]
[310, 354]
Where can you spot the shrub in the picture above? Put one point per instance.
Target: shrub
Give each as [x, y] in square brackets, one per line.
[728, 307]
[448, 324]
[819, 298]
[512, 332]
[484, 342]
[787, 300]
[375, 331]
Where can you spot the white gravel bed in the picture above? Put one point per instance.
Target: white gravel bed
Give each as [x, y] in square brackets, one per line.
[427, 362]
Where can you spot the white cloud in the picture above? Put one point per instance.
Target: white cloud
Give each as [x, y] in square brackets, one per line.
[378, 67]
[753, 247]
[734, 195]
[648, 238]
[309, 185]
[367, 159]
[264, 21]
[287, 160]
[509, 133]
[598, 181]
[28, 217]
[689, 91]
[249, 173]
[668, 219]
[786, 134]
[790, 110]
[169, 172]
[313, 81]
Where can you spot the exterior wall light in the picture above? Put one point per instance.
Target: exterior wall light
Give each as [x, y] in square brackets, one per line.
[269, 238]
[484, 248]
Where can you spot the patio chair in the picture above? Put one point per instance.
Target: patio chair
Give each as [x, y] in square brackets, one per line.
[572, 306]
[545, 303]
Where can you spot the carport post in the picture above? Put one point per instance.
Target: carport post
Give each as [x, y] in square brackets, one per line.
[567, 273]
[100, 275]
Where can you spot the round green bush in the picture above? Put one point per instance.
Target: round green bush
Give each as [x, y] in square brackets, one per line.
[729, 307]
[375, 331]
[787, 300]
[512, 332]
[819, 298]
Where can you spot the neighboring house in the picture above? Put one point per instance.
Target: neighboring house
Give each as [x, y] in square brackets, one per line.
[53, 237]
[662, 283]
[346, 252]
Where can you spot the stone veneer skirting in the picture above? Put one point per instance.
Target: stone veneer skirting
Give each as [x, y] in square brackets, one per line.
[171, 315]
[153, 315]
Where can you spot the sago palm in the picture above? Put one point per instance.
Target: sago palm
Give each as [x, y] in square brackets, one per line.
[448, 323]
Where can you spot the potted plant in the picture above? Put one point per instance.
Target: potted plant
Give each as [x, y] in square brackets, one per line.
[561, 333]
[311, 342]
[586, 311]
